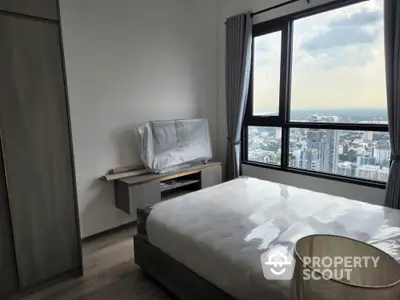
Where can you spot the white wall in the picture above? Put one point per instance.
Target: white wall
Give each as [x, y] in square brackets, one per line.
[229, 8]
[130, 61]
[127, 62]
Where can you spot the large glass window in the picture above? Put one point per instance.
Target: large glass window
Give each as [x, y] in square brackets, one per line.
[267, 65]
[338, 66]
[265, 144]
[332, 118]
[359, 154]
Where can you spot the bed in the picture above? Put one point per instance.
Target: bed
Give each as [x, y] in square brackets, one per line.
[207, 245]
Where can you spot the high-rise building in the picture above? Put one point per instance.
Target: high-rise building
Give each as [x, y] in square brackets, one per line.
[292, 162]
[353, 169]
[311, 160]
[368, 136]
[380, 154]
[303, 159]
[297, 159]
[383, 174]
[329, 151]
[278, 133]
[314, 138]
[340, 149]
[345, 168]
[367, 172]
[386, 163]
[367, 160]
[358, 161]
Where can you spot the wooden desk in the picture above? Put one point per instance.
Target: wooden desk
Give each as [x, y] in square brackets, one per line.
[145, 190]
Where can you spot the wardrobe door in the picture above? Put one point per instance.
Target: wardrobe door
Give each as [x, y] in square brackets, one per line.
[36, 8]
[8, 269]
[36, 148]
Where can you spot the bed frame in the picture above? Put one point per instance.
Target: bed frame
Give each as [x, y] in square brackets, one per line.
[178, 279]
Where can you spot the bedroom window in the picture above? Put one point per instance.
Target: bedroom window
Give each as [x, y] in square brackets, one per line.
[317, 103]
[267, 65]
[265, 144]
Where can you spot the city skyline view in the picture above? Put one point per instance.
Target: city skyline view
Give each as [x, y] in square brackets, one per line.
[337, 76]
[359, 154]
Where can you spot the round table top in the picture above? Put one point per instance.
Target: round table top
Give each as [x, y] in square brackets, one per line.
[347, 261]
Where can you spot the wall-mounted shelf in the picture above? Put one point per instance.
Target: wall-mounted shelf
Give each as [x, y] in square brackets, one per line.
[145, 190]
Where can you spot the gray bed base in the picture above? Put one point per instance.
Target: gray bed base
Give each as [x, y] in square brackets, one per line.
[178, 279]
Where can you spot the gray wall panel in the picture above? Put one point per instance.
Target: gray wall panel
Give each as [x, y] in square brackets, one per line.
[37, 8]
[37, 152]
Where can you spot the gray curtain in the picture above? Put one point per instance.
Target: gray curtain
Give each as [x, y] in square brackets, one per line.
[392, 46]
[238, 67]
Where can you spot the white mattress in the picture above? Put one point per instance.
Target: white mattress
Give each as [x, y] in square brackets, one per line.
[220, 232]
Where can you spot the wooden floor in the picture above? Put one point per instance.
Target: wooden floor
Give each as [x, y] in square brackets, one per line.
[109, 274]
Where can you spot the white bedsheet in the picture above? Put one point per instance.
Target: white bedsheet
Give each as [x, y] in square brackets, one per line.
[220, 232]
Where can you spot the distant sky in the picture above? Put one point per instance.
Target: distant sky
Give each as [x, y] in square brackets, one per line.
[338, 61]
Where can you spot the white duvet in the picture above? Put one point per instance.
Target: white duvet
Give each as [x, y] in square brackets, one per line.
[220, 232]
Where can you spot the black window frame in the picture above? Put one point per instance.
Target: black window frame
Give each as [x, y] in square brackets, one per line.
[285, 24]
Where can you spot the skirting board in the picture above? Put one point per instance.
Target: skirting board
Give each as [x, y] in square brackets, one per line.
[178, 279]
[108, 232]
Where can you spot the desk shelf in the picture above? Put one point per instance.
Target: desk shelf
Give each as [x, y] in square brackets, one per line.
[145, 190]
[177, 184]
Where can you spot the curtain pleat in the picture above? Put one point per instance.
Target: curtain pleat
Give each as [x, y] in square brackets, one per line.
[238, 67]
[392, 51]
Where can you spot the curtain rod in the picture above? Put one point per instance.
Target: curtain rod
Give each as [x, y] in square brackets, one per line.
[276, 6]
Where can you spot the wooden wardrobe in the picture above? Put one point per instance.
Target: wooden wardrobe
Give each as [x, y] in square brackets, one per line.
[39, 225]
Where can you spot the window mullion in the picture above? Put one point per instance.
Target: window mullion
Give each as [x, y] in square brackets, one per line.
[285, 91]
[361, 146]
